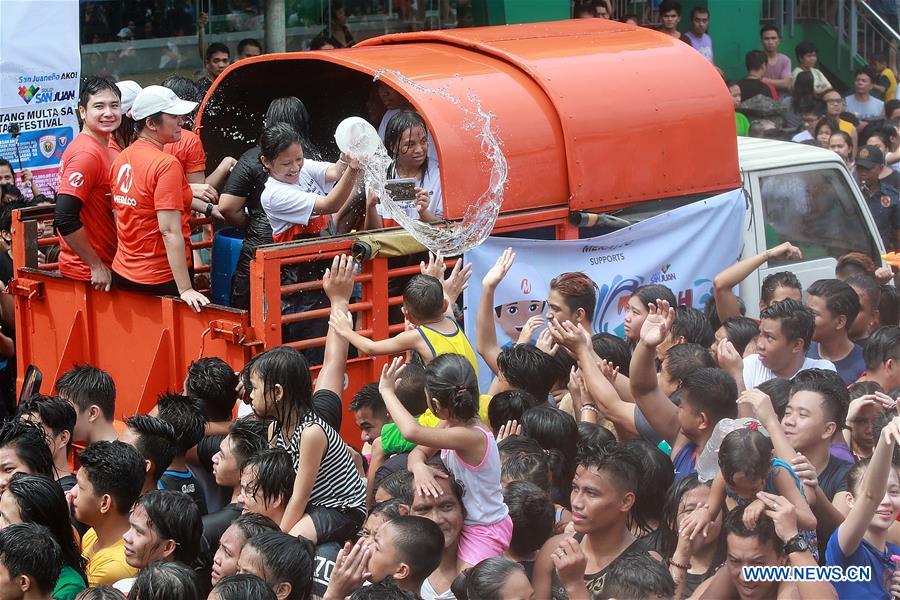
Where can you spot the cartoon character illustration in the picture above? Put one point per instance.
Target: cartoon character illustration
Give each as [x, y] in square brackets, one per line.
[521, 295]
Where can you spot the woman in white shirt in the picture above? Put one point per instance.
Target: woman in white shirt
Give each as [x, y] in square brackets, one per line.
[406, 141]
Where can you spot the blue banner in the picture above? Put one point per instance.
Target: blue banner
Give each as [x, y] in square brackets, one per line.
[682, 249]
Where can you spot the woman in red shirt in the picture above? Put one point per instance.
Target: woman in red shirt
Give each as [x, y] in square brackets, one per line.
[152, 202]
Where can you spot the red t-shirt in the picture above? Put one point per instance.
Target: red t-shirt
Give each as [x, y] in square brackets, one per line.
[114, 148]
[189, 152]
[146, 180]
[84, 174]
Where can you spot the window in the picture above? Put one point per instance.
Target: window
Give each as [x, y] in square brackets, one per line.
[817, 212]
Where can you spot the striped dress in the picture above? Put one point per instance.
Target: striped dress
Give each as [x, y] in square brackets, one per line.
[338, 484]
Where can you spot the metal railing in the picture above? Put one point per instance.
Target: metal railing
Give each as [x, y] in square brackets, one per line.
[861, 32]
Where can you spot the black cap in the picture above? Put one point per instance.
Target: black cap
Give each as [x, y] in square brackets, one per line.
[869, 157]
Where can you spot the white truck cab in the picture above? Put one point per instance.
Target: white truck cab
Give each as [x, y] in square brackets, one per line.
[804, 195]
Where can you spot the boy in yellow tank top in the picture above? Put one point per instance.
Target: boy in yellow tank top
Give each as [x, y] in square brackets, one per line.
[428, 306]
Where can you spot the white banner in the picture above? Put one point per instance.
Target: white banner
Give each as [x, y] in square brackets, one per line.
[683, 249]
[40, 65]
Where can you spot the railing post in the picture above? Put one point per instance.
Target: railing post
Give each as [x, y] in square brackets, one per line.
[854, 24]
[792, 15]
[840, 31]
[779, 15]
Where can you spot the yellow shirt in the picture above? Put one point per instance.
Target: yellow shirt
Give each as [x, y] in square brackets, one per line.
[453, 343]
[891, 92]
[105, 566]
[845, 126]
[429, 419]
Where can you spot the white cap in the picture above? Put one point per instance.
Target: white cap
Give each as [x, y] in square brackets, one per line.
[156, 99]
[129, 91]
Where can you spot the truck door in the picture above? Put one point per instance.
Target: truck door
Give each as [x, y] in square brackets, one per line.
[819, 209]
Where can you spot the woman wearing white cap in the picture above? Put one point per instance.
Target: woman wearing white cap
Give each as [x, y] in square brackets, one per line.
[122, 137]
[152, 201]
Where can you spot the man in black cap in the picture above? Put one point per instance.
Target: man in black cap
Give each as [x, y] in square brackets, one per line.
[883, 199]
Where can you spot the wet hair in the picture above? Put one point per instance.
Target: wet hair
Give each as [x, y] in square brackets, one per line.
[619, 461]
[389, 508]
[657, 476]
[710, 311]
[740, 331]
[400, 122]
[594, 433]
[653, 293]
[288, 558]
[555, 430]
[889, 307]
[86, 386]
[399, 485]
[778, 390]
[856, 474]
[796, 320]
[291, 111]
[423, 298]
[638, 575]
[277, 138]
[840, 298]
[252, 524]
[244, 43]
[711, 391]
[509, 406]
[114, 468]
[40, 500]
[776, 280]
[163, 580]
[668, 524]
[747, 451]
[865, 285]
[243, 586]
[287, 367]
[486, 580]
[183, 87]
[419, 543]
[216, 47]
[274, 474]
[91, 86]
[212, 381]
[55, 413]
[185, 416]
[369, 397]
[515, 445]
[882, 345]
[890, 106]
[561, 365]
[248, 436]
[100, 592]
[826, 122]
[155, 441]
[829, 385]
[754, 60]
[411, 389]
[29, 549]
[862, 388]
[764, 532]
[533, 516]
[532, 468]
[452, 382]
[578, 291]
[174, 516]
[525, 367]
[693, 326]
[27, 440]
[614, 349]
[383, 590]
[683, 359]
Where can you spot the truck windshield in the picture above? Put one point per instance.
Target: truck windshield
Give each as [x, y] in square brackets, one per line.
[816, 211]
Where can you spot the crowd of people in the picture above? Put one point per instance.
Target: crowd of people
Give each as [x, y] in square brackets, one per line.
[655, 465]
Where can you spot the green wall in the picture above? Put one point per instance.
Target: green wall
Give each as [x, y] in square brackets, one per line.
[502, 12]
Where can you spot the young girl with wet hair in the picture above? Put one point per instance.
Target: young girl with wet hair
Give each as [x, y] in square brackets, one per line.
[639, 307]
[493, 579]
[467, 446]
[746, 469]
[406, 142]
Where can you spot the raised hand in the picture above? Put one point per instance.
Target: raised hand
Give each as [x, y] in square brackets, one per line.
[782, 512]
[728, 358]
[805, 471]
[350, 570]
[761, 404]
[496, 274]
[457, 280]
[390, 374]
[338, 280]
[434, 267]
[569, 336]
[507, 429]
[531, 325]
[784, 251]
[570, 563]
[658, 323]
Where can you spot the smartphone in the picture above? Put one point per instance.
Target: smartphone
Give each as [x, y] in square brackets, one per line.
[402, 190]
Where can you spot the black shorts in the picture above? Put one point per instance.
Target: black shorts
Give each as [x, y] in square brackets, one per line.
[167, 288]
[335, 524]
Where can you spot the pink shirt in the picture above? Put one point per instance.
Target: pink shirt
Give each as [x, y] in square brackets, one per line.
[780, 70]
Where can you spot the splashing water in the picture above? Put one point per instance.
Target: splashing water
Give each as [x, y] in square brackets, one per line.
[478, 220]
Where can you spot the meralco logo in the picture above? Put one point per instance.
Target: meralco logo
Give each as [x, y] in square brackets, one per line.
[124, 181]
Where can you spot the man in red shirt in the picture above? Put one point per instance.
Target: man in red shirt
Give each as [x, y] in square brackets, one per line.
[83, 214]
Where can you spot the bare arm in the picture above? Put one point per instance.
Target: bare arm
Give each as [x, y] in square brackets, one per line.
[218, 177]
[170, 229]
[335, 199]
[232, 209]
[373, 219]
[402, 342]
[338, 285]
[485, 334]
[659, 410]
[313, 444]
[782, 85]
[726, 302]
